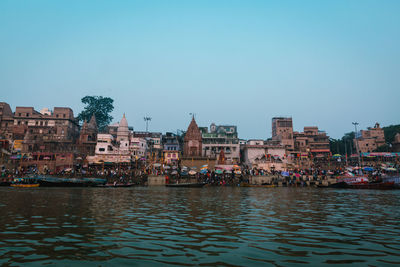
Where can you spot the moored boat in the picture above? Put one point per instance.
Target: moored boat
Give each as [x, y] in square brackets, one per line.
[24, 182]
[186, 185]
[109, 185]
[24, 185]
[48, 181]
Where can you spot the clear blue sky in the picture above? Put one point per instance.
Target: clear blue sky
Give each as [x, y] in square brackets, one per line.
[325, 63]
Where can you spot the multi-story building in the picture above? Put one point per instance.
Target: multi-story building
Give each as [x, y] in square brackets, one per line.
[154, 144]
[56, 132]
[221, 138]
[172, 147]
[370, 139]
[138, 148]
[282, 130]
[262, 154]
[6, 122]
[312, 142]
[113, 150]
[46, 140]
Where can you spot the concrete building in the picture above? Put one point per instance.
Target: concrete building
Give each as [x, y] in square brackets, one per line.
[113, 150]
[138, 148]
[282, 130]
[260, 154]
[46, 140]
[221, 138]
[370, 139]
[154, 144]
[312, 142]
[172, 148]
[56, 132]
[6, 122]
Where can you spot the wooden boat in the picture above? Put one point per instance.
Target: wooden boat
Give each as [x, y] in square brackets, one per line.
[48, 181]
[5, 183]
[186, 185]
[24, 182]
[24, 185]
[260, 185]
[115, 185]
[392, 179]
[381, 185]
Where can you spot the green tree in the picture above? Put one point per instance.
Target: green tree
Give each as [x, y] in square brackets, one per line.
[390, 132]
[343, 145]
[383, 148]
[101, 107]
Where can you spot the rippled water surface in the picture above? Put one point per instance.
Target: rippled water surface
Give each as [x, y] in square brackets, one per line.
[199, 226]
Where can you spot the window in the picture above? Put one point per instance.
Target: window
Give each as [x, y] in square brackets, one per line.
[102, 149]
[63, 115]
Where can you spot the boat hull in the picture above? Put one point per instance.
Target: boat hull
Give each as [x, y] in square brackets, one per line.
[186, 185]
[115, 185]
[25, 185]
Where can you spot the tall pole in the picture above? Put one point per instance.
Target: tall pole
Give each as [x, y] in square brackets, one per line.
[147, 119]
[345, 149]
[355, 136]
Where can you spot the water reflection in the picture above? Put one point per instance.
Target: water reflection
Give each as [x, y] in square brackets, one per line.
[200, 226]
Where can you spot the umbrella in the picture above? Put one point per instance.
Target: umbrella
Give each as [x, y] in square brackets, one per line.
[167, 167]
[285, 174]
[78, 158]
[174, 172]
[368, 169]
[219, 171]
[192, 172]
[391, 169]
[203, 171]
[156, 164]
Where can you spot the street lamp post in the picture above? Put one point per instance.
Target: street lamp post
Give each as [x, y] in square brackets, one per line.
[355, 136]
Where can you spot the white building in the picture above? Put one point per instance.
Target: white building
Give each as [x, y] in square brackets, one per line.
[138, 147]
[113, 150]
[221, 138]
[259, 154]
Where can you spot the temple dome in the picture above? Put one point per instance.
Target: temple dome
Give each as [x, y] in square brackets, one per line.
[123, 130]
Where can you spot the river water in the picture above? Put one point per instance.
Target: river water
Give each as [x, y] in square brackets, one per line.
[218, 226]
